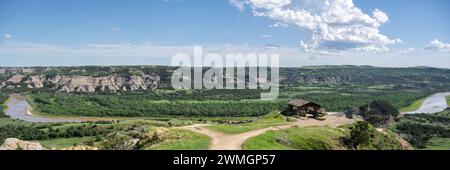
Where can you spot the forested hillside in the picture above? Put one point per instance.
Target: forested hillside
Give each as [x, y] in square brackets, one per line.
[417, 78]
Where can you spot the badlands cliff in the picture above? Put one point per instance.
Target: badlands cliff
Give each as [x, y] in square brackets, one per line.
[83, 83]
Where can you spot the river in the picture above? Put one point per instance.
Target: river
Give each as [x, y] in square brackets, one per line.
[18, 108]
[433, 104]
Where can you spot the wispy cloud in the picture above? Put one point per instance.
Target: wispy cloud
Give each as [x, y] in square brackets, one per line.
[279, 25]
[25, 53]
[7, 37]
[266, 36]
[115, 29]
[240, 4]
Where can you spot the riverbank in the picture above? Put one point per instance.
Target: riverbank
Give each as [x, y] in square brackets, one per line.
[19, 108]
[434, 104]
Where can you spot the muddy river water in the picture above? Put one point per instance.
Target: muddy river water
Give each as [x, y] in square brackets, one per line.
[433, 104]
[18, 108]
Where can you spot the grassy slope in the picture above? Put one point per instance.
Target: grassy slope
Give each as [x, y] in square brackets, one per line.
[178, 140]
[272, 119]
[183, 140]
[60, 143]
[438, 144]
[8, 121]
[319, 138]
[302, 138]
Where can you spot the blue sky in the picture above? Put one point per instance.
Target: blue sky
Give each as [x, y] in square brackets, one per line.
[90, 32]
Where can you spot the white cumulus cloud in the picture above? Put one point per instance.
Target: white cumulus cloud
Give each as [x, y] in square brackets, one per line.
[437, 45]
[333, 24]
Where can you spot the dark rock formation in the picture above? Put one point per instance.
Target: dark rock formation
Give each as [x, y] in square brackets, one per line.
[377, 113]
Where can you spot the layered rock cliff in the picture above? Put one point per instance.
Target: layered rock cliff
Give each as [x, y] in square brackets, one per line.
[84, 83]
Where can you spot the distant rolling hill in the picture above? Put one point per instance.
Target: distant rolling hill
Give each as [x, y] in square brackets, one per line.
[130, 78]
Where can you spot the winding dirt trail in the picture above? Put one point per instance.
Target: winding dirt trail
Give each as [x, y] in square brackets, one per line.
[222, 141]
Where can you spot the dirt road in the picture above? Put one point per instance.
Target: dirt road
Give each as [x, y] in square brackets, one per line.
[221, 141]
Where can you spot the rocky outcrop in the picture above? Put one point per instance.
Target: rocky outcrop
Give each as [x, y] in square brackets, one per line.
[377, 113]
[86, 83]
[16, 79]
[17, 144]
[35, 82]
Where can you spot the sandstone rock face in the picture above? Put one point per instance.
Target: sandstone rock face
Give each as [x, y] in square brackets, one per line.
[16, 79]
[86, 83]
[17, 144]
[35, 82]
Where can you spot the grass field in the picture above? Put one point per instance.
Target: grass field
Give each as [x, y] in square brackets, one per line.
[414, 106]
[8, 121]
[438, 144]
[183, 140]
[301, 138]
[272, 119]
[61, 143]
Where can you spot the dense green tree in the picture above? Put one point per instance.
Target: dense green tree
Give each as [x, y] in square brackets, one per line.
[359, 135]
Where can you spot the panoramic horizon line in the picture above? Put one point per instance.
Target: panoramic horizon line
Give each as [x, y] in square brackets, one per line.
[165, 65]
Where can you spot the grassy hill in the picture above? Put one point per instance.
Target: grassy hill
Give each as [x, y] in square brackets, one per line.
[123, 135]
[323, 138]
[305, 138]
